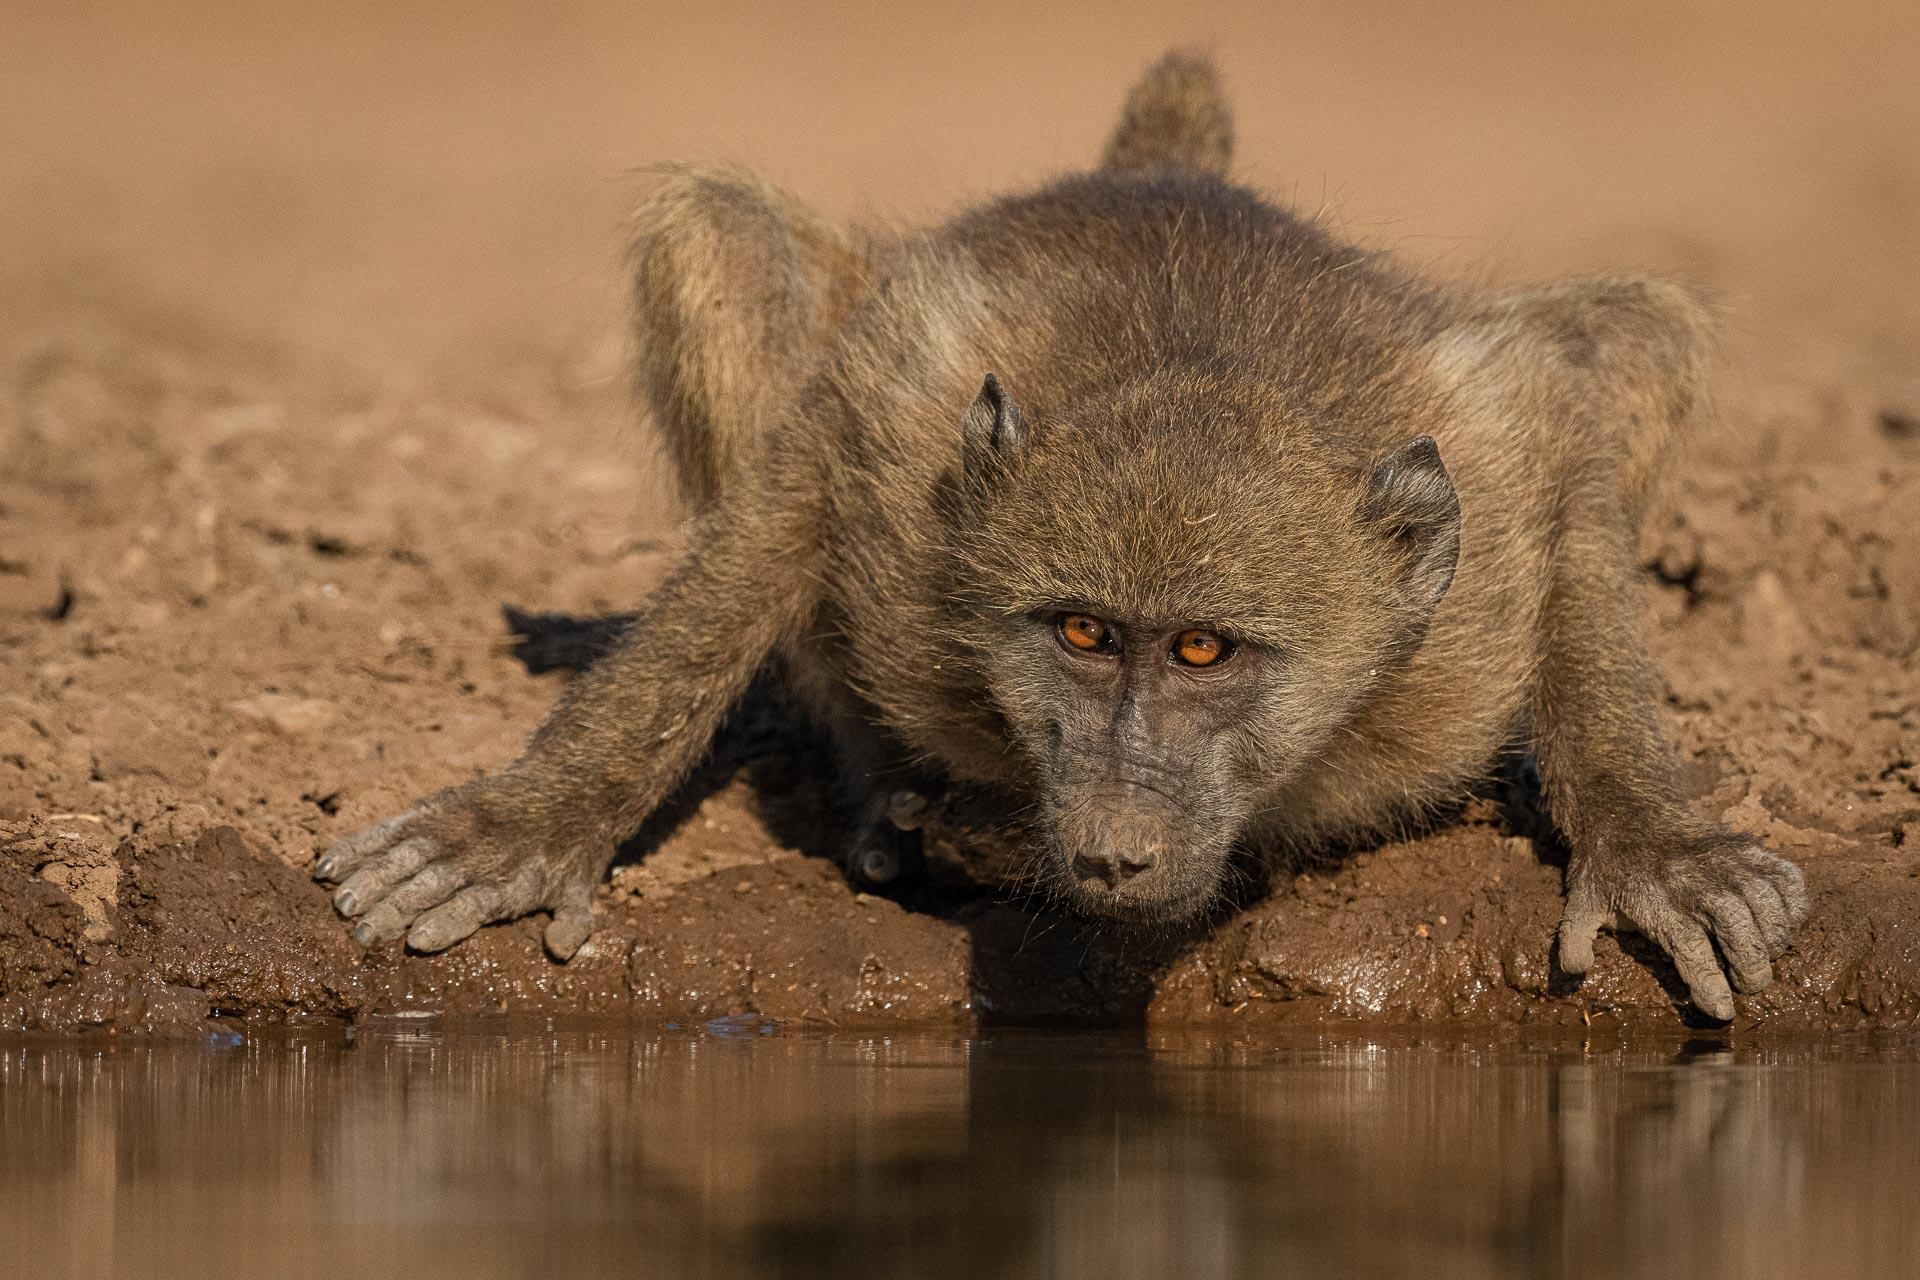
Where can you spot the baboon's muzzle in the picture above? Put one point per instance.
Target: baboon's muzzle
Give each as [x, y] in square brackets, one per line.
[1132, 852]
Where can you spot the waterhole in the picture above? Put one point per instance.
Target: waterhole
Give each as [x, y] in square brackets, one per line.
[735, 1150]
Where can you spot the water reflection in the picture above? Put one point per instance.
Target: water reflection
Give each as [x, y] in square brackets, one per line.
[730, 1153]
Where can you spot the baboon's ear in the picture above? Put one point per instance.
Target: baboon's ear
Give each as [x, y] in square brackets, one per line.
[996, 430]
[1412, 503]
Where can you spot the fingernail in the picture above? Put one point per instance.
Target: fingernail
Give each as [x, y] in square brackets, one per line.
[344, 902]
[323, 869]
[363, 935]
[907, 810]
[879, 866]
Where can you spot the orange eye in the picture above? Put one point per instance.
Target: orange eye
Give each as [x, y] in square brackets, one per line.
[1088, 635]
[1197, 648]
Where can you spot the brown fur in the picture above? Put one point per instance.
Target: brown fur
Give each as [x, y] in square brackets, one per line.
[708, 244]
[1412, 509]
[1175, 118]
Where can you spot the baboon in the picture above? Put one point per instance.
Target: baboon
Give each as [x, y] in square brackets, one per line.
[1155, 506]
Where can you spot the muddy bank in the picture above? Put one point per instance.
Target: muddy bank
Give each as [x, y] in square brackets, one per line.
[152, 936]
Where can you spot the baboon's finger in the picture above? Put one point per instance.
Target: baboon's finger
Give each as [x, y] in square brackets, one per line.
[1792, 885]
[456, 918]
[370, 883]
[1584, 916]
[878, 862]
[1693, 956]
[345, 855]
[1770, 914]
[389, 918]
[572, 923]
[1741, 943]
[907, 810]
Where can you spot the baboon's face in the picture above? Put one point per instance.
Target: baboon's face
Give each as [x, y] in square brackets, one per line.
[1154, 719]
[1174, 616]
[1142, 787]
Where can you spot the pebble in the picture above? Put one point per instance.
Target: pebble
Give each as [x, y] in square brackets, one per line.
[285, 713]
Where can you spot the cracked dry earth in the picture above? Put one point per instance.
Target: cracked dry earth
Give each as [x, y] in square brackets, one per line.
[267, 474]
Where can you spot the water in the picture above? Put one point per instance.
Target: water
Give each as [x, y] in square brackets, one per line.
[728, 1152]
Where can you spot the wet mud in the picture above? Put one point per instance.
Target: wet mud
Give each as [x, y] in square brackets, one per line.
[276, 448]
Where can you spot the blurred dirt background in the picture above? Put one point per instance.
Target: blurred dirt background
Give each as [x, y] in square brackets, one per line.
[311, 356]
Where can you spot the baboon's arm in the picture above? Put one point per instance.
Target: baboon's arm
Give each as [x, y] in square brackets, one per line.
[1615, 789]
[1594, 379]
[540, 835]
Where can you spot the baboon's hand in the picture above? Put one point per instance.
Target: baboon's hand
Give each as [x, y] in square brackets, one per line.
[454, 862]
[1690, 893]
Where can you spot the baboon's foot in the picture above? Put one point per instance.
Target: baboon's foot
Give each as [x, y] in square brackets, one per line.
[886, 836]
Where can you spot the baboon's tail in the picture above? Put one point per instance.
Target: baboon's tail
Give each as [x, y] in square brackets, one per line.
[1175, 118]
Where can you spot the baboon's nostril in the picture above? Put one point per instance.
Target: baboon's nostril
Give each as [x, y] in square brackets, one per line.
[1096, 866]
[1110, 867]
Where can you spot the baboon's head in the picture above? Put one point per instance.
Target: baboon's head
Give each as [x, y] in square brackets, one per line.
[1174, 615]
